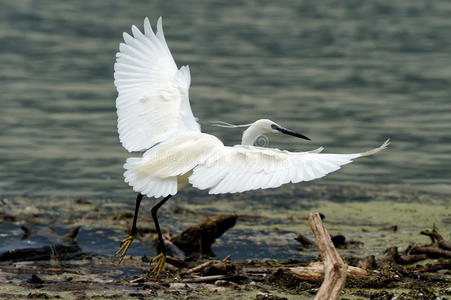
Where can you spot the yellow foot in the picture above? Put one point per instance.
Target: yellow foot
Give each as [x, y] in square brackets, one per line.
[160, 259]
[124, 247]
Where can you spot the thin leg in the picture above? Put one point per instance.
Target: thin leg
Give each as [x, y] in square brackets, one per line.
[160, 258]
[128, 241]
[135, 217]
[157, 225]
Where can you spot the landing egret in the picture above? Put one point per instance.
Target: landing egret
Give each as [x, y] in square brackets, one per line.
[154, 115]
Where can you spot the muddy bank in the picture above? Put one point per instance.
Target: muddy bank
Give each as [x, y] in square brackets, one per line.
[262, 244]
[100, 277]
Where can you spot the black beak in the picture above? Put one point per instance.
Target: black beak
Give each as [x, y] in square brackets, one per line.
[289, 132]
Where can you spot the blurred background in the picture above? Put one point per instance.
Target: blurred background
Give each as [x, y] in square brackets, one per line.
[348, 74]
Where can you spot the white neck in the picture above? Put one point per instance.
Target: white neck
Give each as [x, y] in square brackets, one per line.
[251, 135]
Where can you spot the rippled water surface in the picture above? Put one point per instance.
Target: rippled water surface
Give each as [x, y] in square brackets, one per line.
[348, 75]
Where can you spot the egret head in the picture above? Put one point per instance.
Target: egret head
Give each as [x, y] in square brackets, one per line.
[259, 128]
[268, 126]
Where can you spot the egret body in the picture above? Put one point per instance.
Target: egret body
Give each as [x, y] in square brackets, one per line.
[154, 115]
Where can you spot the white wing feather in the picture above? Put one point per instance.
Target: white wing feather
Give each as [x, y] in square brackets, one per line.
[243, 168]
[155, 173]
[153, 102]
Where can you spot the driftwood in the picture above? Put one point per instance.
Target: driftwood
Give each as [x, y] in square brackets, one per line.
[172, 249]
[200, 267]
[332, 269]
[59, 252]
[436, 237]
[200, 237]
[431, 252]
[392, 255]
[176, 262]
[439, 248]
[315, 272]
[213, 267]
[66, 250]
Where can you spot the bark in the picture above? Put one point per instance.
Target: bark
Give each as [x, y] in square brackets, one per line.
[335, 269]
[315, 272]
[199, 238]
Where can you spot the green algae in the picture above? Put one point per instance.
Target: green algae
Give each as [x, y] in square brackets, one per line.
[269, 220]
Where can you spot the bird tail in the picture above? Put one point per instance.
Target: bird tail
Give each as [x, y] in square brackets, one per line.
[139, 176]
[375, 150]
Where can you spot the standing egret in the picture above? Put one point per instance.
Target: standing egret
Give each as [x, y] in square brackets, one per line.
[154, 115]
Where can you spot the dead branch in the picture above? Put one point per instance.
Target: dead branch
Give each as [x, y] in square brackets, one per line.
[334, 267]
[199, 238]
[431, 252]
[315, 272]
[200, 267]
[437, 237]
[59, 252]
[392, 255]
[214, 278]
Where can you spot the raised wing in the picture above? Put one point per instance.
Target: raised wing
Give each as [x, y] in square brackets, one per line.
[243, 168]
[153, 103]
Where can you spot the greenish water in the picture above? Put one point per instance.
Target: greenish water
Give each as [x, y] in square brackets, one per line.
[266, 228]
[347, 74]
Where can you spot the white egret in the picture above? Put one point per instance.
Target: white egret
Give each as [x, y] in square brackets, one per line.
[154, 115]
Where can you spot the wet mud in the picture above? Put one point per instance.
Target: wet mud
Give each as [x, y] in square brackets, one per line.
[63, 248]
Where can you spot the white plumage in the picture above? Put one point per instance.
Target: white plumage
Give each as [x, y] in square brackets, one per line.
[153, 102]
[154, 112]
[243, 168]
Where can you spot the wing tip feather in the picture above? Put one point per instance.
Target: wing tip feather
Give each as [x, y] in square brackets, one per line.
[376, 150]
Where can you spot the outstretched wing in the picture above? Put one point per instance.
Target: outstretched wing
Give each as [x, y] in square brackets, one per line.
[244, 168]
[153, 103]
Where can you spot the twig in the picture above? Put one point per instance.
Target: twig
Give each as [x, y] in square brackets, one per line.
[200, 267]
[334, 267]
[214, 278]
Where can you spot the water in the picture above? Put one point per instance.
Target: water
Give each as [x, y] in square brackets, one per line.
[348, 75]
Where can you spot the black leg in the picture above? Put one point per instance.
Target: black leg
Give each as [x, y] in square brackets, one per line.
[157, 225]
[128, 241]
[135, 217]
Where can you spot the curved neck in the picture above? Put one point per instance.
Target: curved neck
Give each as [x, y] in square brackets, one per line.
[251, 135]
